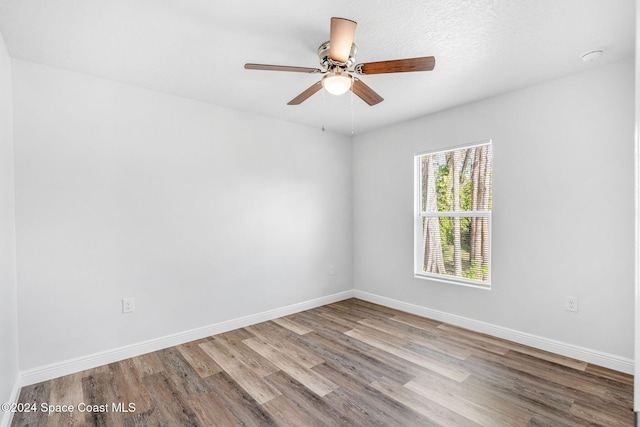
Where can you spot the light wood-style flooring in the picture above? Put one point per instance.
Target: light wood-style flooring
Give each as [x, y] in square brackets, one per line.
[351, 363]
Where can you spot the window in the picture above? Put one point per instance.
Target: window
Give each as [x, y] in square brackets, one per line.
[453, 215]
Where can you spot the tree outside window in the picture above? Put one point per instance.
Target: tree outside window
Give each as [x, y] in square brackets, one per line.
[453, 220]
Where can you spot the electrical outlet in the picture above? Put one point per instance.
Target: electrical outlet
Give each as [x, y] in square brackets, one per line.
[571, 303]
[127, 305]
[331, 270]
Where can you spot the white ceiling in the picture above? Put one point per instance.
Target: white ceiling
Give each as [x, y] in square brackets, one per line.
[197, 48]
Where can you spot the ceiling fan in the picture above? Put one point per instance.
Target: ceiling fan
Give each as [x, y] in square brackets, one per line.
[337, 56]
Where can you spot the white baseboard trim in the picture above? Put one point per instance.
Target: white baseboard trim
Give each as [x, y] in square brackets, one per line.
[595, 357]
[7, 417]
[55, 370]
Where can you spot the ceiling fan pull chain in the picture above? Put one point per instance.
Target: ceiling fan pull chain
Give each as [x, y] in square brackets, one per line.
[351, 113]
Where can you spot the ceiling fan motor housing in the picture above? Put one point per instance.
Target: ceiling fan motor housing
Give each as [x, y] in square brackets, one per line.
[330, 64]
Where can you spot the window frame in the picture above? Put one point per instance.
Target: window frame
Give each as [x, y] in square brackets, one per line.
[418, 244]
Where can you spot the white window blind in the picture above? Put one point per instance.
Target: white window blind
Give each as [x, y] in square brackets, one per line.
[453, 215]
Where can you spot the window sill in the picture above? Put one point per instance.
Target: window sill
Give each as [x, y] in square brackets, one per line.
[454, 281]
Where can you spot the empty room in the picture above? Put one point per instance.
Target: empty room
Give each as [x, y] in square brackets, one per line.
[410, 213]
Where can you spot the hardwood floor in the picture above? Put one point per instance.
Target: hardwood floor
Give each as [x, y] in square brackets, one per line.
[351, 363]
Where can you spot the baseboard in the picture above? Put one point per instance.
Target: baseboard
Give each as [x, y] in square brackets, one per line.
[7, 417]
[54, 370]
[599, 358]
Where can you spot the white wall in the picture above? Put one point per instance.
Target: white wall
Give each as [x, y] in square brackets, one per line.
[8, 286]
[563, 209]
[205, 214]
[200, 213]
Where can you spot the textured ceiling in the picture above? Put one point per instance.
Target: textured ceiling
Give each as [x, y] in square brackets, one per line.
[196, 48]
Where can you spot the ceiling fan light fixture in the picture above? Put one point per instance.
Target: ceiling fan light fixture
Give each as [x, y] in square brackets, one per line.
[337, 83]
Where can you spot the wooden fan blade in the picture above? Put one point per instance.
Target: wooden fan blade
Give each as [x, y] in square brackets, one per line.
[365, 93]
[425, 63]
[342, 33]
[281, 68]
[306, 94]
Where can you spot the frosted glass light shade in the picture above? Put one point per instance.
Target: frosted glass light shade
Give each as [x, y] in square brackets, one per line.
[336, 84]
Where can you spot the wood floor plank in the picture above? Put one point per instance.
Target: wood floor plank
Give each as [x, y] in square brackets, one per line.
[170, 404]
[98, 394]
[324, 320]
[198, 359]
[307, 402]
[233, 337]
[211, 411]
[287, 414]
[543, 420]
[549, 357]
[404, 372]
[333, 331]
[34, 394]
[246, 378]
[246, 410]
[292, 325]
[433, 411]
[180, 371]
[379, 309]
[362, 367]
[430, 341]
[487, 409]
[481, 415]
[344, 364]
[129, 386]
[452, 372]
[66, 390]
[360, 309]
[232, 343]
[278, 337]
[379, 334]
[289, 365]
[554, 374]
[541, 354]
[379, 408]
[523, 390]
[416, 321]
[599, 414]
[473, 340]
[436, 355]
[142, 419]
[609, 374]
[535, 390]
[148, 364]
